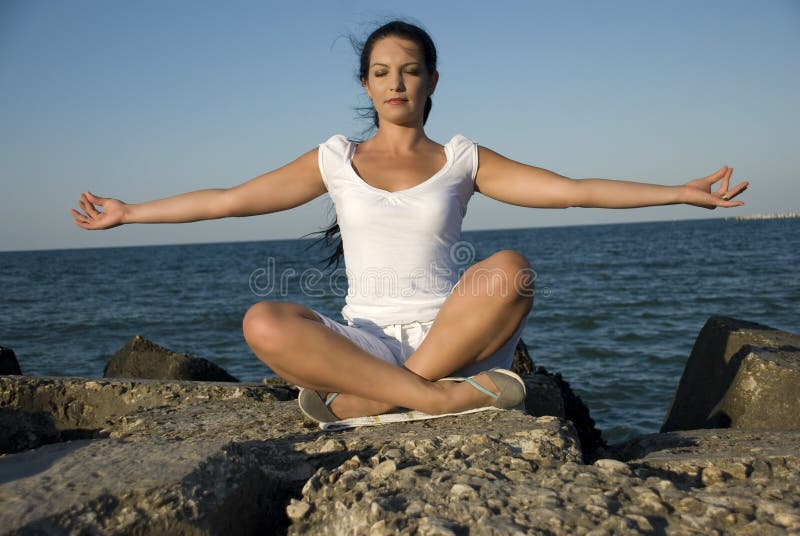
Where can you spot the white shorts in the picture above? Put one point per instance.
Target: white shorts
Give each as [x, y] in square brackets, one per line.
[396, 342]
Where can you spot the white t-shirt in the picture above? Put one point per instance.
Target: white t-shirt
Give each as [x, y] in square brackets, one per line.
[402, 250]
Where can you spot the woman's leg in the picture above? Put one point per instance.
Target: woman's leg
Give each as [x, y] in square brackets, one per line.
[485, 309]
[296, 345]
[481, 313]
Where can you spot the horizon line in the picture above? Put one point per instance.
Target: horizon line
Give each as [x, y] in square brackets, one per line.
[312, 232]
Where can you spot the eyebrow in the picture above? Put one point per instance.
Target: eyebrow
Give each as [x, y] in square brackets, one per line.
[409, 63]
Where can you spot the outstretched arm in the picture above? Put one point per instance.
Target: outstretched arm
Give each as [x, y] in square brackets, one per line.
[518, 184]
[287, 187]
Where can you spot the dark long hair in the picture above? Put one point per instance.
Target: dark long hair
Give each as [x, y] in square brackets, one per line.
[394, 28]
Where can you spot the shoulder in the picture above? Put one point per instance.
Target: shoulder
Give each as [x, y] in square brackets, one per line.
[462, 144]
[460, 139]
[337, 141]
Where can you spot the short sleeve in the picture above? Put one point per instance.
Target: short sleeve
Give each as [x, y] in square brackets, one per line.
[468, 149]
[331, 157]
[474, 160]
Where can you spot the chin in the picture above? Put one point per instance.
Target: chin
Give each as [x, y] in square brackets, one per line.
[399, 118]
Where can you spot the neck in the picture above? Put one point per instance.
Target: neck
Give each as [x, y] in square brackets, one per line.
[399, 139]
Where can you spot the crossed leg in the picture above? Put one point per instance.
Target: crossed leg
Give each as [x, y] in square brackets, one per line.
[480, 315]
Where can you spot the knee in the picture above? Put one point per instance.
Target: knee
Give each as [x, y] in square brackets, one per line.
[514, 275]
[261, 326]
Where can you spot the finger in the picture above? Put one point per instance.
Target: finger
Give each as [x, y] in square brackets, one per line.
[94, 199]
[81, 220]
[714, 177]
[88, 207]
[78, 215]
[723, 188]
[727, 203]
[741, 187]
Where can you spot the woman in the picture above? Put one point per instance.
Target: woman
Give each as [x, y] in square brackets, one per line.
[400, 198]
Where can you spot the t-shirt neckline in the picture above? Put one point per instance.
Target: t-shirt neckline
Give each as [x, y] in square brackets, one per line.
[448, 153]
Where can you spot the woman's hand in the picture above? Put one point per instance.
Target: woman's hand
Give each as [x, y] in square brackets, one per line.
[91, 218]
[698, 192]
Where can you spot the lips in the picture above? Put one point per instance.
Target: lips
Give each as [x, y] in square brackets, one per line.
[396, 101]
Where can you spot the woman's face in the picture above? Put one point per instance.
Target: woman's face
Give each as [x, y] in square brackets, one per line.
[398, 82]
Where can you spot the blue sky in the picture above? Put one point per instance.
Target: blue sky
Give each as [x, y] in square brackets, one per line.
[147, 99]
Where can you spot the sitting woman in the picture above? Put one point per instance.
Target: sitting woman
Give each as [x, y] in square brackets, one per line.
[412, 319]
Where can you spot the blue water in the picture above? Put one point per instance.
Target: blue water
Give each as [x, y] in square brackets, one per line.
[616, 311]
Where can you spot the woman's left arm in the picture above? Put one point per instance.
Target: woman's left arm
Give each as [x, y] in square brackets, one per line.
[519, 184]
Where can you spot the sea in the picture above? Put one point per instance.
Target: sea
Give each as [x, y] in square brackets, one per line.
[617, 307]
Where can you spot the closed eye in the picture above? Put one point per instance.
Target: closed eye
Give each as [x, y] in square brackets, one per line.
[414, 72]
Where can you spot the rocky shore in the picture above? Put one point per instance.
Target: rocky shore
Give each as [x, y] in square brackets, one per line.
[154, 456]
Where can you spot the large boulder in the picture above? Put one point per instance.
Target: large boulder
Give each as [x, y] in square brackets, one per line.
[8, 361]
[141, 358]
[739, 375]
[224, 459]
[171, 457]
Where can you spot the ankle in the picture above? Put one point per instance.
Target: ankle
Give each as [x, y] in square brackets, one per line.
[441, 399]
[346, 406]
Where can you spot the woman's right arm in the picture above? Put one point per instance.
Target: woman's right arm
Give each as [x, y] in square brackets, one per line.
[292, 185]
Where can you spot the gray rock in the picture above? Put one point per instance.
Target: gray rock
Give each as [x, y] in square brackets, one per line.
[479, 487]
[8, 361]
[203, 458]
[704, 457]
[23, 430]
[764, 393]
[739, 374]
[81, 406]
[140, 358]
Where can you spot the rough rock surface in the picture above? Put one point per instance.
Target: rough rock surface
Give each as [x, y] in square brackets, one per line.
[141, 358]
[675, 484]
[522, 363]
[8, 361]
[741, 375]
[204, 458]
[23, 430]
[236, 455]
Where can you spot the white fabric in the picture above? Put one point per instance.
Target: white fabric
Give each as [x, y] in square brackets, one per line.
[400, 248]
[396, 343]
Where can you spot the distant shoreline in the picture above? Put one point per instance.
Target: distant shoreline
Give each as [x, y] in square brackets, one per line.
[778, 216]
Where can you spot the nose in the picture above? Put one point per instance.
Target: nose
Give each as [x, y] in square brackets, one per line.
[397, 83]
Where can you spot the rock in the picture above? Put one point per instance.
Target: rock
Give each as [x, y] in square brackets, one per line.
[614, 466]
[197, 457]
[169, 457]
[703, 457]
[80, 407]
[764, 393]
[23, 430]
[8, 361]
[297, 509]
[276, 383]
[653, 493]
[739, 374]
[550, 394]
[140, 358]
[522, 363]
